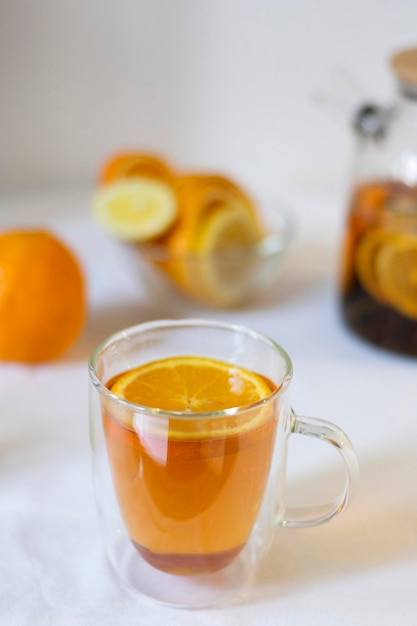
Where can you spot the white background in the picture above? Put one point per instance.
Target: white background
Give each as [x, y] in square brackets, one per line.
[225, 84]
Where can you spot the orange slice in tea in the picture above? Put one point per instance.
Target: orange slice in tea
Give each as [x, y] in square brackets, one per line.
[135, 209]
[193, 384]
[367, 251]
[136, 165]
[396, 269]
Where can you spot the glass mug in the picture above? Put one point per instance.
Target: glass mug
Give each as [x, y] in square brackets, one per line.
[189, 502]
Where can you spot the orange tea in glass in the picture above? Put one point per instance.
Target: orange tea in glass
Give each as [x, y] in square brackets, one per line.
[189, 426]
[189, 500]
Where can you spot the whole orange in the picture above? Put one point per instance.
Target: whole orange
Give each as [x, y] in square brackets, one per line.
[42, 296]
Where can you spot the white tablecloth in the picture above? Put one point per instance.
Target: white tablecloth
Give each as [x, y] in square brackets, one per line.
[360, 569]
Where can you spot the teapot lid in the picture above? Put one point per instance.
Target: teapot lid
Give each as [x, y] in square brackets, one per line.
[404, 64]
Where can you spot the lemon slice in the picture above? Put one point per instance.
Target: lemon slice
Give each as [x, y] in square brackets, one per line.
[191, 384]
[396, 270]
[135, 209]
[223, 271]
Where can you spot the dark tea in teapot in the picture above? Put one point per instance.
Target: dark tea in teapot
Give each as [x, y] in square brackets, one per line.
[379, 275]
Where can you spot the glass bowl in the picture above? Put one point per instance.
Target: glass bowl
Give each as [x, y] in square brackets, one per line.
[227, 278]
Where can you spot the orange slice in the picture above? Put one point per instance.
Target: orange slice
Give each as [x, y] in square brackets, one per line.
[365, 260]
[396, 270]
[224, 265]
[135, 209]
[136, 165]
[193, 384]
[200, 195]
[216, 229]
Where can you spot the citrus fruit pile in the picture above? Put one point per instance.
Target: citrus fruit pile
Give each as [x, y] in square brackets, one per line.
[42, 296]
[201, 230]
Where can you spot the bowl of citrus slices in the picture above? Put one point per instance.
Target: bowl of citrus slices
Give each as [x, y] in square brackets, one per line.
[200, 232]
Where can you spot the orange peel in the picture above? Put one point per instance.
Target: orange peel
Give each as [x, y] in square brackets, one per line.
[136, 165]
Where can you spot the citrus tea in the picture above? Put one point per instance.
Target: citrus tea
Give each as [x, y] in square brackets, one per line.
[379, 280]
[189, 425]
[189, 491]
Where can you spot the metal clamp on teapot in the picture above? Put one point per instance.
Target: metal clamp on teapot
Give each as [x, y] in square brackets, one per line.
[379, 277]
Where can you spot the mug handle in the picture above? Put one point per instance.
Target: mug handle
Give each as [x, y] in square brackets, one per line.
[298, 517]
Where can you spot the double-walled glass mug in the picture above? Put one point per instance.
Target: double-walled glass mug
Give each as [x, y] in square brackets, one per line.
[189, 501]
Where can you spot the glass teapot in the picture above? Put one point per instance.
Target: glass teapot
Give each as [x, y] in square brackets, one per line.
[379, 270]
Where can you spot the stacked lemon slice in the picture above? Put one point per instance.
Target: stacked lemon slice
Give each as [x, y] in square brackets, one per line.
[205, 228]
[136, 198]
